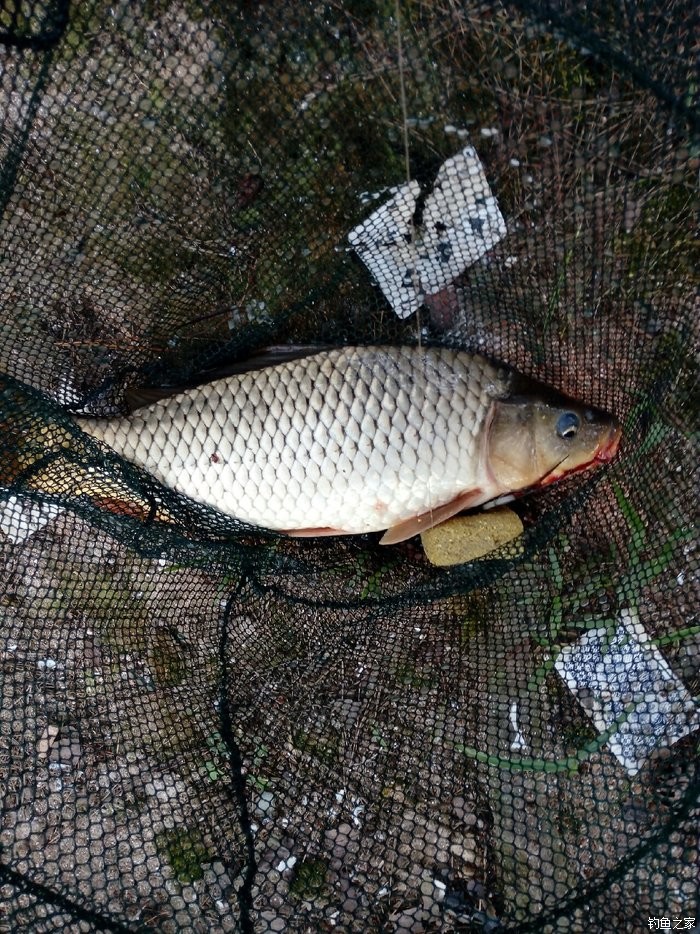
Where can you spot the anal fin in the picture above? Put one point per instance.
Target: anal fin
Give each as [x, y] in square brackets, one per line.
[132, 508]
[417, 524]
[313, 533]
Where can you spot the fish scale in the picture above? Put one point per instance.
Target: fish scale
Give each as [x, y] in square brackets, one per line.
[356, 439]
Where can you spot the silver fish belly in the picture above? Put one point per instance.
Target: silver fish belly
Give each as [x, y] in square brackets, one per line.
[352, 440]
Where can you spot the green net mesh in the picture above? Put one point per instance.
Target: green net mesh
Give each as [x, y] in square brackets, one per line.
[209, 728]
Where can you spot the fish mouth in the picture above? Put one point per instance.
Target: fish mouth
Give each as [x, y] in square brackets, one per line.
[608, 449]
[604, 453]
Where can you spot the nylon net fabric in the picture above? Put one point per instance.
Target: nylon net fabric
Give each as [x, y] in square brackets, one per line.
[208, 727]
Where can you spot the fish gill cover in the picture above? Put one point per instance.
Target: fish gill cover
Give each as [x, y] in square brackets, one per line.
[209, 727]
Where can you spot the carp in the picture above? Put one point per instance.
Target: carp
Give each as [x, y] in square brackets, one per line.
[361, 439]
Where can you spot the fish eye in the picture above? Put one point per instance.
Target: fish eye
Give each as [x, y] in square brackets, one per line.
[568, 425]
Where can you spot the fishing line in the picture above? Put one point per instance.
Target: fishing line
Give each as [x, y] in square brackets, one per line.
[406, 147]
[402, 91]
[407, 159]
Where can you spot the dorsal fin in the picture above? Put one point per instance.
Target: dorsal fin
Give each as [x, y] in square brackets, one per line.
[137, 397]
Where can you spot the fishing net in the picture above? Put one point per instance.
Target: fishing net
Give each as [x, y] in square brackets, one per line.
[207, 727]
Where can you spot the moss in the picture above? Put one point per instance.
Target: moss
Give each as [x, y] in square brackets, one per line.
[368, 575]
[216, 764]
[658, 253]
[469, 630]
[310, 882]
[166, 660]
[186, 852]
[576, 735]
[420, 680]
[311, 174]
[324, 746]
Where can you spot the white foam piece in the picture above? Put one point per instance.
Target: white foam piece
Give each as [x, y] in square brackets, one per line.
[627, 687]
[518, 743]
[461, 221]
[20, 517]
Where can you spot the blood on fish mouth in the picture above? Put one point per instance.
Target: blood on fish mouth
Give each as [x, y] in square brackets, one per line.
[603, 455]
[609, 449]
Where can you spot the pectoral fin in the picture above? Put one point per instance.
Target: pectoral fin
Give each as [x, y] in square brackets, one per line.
[417, 524]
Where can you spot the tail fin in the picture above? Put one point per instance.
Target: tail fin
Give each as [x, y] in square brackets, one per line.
[52, 458]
